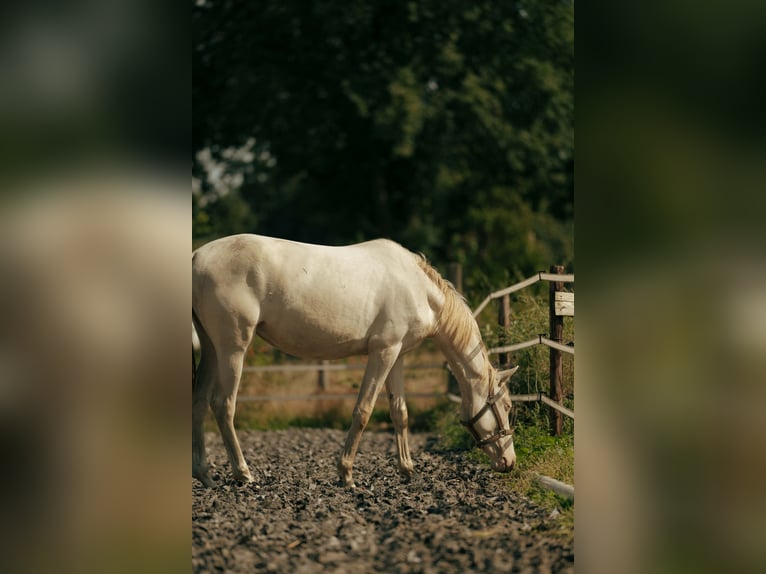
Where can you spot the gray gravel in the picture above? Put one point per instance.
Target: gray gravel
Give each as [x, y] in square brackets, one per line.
[455, 515]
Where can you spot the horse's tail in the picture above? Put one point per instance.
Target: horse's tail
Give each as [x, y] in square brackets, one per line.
[200, 339]
[195, 323]
[196, 327]
[194, 370]
[201, 335]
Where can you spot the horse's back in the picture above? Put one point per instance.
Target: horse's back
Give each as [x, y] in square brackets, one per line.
[315, 300]
[280, 260]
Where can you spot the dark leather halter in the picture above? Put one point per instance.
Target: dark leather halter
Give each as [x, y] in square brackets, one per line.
[490, 404]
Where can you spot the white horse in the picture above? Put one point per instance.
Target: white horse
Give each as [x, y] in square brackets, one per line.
[374, 298]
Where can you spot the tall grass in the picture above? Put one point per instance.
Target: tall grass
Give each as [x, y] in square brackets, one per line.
[530, 318]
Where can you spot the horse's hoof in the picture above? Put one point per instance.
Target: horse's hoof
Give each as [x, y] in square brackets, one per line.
[244, 478]
[206, 480]
[348, 483]
[345, 475]
[407, 472]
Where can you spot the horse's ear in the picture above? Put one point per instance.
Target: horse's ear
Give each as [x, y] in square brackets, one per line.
[503, 376]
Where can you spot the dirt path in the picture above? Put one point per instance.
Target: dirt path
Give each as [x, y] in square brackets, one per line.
[454, 516]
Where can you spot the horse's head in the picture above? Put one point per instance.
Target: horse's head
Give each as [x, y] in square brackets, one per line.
[491, 427]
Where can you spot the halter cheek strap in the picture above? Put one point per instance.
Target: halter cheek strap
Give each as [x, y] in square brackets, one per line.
[490, 404]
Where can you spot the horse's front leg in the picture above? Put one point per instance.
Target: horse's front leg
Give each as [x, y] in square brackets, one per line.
[379, 364]
[398, 410]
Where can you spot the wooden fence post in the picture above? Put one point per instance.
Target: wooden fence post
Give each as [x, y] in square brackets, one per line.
[455, 276]
[556, 334]
[323, 378]
[504, 320]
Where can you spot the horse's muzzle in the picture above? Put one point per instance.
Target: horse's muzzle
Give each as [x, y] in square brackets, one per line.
[504, 466]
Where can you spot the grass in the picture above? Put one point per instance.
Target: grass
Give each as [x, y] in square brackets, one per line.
[539, 453]
[536, 453]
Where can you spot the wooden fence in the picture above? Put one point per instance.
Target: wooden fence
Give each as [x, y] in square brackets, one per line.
[560, 305]
[323, 369]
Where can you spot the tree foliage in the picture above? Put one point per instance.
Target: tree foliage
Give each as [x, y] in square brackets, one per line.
[443, 124]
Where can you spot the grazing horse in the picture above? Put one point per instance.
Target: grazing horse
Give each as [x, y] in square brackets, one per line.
[374, 298]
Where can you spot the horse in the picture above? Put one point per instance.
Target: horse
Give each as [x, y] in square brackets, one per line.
[325, 302]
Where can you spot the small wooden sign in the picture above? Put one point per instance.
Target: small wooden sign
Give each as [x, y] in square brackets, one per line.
[564, 304]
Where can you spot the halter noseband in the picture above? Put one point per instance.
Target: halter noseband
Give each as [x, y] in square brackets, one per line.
[491, 403]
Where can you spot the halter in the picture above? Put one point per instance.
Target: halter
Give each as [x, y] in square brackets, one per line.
[490, 404]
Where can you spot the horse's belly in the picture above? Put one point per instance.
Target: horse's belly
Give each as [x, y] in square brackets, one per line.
[311, 341]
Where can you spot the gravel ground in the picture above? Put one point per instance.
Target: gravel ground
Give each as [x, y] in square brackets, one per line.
[455, 515]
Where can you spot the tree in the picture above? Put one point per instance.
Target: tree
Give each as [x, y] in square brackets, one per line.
[445, 125]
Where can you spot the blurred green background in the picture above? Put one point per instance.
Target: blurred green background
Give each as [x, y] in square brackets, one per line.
[447, 126]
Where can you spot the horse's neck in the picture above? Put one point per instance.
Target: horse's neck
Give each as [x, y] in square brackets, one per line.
[469, 365]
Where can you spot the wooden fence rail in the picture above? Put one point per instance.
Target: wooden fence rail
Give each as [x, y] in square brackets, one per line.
[528, 398]
[532, 342]
[329, 397]
[327, 367]
[323, 371]
[563, 278]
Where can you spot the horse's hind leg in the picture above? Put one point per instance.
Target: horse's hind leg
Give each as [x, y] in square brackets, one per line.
[398, 410]
[201, 389]
[224, 398]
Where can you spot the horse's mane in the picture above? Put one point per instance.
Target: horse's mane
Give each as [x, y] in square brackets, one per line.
[455, 319]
